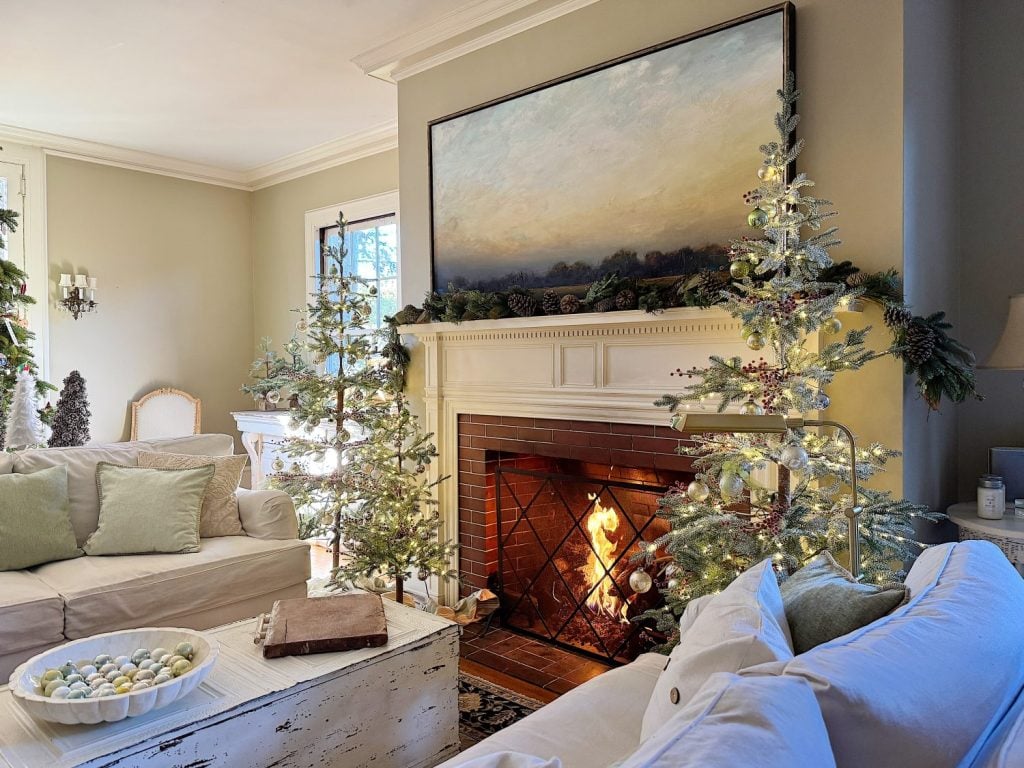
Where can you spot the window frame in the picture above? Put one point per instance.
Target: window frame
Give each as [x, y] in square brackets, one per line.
[360, 209]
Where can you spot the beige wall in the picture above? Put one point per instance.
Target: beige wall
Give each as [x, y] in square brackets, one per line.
[280, 267]
[849, 66]
[172, 259]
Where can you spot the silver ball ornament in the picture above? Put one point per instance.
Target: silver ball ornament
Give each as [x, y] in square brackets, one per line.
[794, 458]
[423, 574]
[640, 581]
[277, 465]
[273, 397]
[730, 484]
[750, 408]
[833, 325]
[698, 491]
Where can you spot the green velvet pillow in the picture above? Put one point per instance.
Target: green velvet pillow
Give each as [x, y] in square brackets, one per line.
[148, 510]
[35, 519]
[823, 601]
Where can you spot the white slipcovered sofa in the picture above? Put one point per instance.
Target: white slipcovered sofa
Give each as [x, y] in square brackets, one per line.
[230, 578]
[935, 684]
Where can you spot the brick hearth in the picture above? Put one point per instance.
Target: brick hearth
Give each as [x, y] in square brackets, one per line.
[606, 449]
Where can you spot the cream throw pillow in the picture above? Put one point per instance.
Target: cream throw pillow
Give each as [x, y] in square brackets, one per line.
[148, 510]
[741, 721]
[742, 626]
[220, 507]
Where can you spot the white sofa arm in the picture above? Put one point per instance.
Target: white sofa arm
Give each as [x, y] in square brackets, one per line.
[267, 514]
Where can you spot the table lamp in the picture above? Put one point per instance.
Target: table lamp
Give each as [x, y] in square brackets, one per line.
[1009, 352]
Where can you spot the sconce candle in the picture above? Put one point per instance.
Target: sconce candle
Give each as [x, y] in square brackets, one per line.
[74, 294]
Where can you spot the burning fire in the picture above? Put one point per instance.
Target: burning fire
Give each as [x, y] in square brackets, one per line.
[601, 522]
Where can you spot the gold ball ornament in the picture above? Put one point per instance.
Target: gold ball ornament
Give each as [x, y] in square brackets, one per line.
[273, 397]
[640, 581]
[767, 172]
[277, 465]
[302, 326]
[755, 341]
[750, 408]
[739, 269]
[757, 218]
[833, 325]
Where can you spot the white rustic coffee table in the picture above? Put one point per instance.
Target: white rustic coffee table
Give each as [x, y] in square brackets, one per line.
[389, 707]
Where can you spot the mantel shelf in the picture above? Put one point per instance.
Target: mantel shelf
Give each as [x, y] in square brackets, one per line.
[579, 320]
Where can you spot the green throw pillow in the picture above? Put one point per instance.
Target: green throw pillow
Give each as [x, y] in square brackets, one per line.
[35, 519]
[823, 601]
[148, 510]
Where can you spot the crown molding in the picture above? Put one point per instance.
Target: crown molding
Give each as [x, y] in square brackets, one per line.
[379, 138]
[436, 44]
[372, 141]
[132, 159]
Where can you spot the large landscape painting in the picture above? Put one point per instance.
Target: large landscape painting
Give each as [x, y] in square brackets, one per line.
[637, 166]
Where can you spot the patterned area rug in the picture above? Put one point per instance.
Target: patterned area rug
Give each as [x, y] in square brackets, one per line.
[486, 708]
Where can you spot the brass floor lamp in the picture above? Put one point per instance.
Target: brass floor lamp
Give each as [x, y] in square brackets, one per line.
[735, 422]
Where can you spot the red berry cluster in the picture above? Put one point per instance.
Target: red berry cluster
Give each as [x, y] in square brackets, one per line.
[751, 197]
[770, 377]
[688, 374]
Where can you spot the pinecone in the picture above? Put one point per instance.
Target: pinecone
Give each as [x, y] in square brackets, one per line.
[522, 303]
[626, 299]
[551, 303]
[569, 304]
[711, 283]
[605, 305]
[897, 316]
[919, 343]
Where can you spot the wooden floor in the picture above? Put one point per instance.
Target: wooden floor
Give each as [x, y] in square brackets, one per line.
[521, 664]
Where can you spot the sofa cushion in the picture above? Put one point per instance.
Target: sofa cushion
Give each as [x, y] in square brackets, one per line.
[923, 686]
[735, 721]
[742, 626]
[6, 463]
[566, 728]
[823, 601]
[193, 445]
[31, 612]
[81, 464]
[219, 515]
[103, 594]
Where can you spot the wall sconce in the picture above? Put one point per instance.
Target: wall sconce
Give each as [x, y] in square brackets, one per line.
[78, 297]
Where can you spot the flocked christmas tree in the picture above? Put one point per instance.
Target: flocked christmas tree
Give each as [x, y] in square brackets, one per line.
[359, 462]
[728, 518]
[71, 421]
[15, 338]
[24, 427]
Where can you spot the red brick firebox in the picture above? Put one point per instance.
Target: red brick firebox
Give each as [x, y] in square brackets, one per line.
[528, 443]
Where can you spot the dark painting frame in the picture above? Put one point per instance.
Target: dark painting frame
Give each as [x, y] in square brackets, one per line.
[788, 20]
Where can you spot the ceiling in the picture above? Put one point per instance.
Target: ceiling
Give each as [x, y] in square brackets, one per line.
[234, 84]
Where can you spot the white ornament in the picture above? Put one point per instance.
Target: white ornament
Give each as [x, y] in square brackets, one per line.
[794, 458]
[731, 485]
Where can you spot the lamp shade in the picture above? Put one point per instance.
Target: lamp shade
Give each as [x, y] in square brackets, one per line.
[1009, 352]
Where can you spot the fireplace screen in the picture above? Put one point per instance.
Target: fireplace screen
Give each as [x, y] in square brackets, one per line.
[565, 545]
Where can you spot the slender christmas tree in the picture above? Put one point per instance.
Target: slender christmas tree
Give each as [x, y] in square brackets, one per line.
[727, 519]
[15, 338]
[359, 463]
[24, 427]
[71, 421]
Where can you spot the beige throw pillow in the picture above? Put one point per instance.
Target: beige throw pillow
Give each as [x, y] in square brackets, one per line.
[148, 510]
[220, 507]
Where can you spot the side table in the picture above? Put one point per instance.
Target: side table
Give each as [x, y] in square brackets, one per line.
[1007, 534]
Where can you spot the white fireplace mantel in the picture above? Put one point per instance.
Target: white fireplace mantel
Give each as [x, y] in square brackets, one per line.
[590, 367]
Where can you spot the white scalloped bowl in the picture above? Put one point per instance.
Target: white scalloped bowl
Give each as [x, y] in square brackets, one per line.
[110, 709]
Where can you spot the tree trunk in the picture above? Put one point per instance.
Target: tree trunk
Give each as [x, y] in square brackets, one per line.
[336, 542]
[399, 591]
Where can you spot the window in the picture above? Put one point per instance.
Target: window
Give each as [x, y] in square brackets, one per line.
[371, 247]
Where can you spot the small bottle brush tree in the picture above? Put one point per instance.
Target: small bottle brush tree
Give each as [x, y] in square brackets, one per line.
[359, 462]
[24, 427]
[15, 338]
[272, 373]
[71, 421]
[725, 520]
